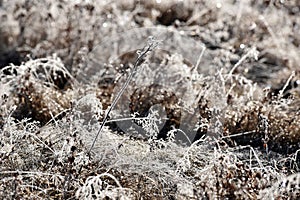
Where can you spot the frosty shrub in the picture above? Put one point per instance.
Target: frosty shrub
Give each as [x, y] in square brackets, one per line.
[210, 113]
[33, 87]
[95, 188]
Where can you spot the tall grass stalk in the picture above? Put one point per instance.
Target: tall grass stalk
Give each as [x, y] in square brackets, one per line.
[152, 43]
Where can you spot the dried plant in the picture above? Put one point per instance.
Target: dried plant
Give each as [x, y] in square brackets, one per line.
[59, 133]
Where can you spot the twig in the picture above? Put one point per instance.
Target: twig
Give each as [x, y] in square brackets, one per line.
[251, 53]
[286, 85]
[141, 55]
[152, 43]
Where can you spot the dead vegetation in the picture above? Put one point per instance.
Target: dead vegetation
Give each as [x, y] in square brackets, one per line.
[54, 97]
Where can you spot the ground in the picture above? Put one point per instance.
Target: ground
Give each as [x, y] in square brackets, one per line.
[211, 111]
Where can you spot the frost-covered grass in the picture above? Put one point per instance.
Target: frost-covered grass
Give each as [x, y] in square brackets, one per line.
[242, 100]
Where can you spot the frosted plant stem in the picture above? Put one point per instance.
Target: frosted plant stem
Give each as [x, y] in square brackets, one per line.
[286, 85]
[251, 53]
[141, 55]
